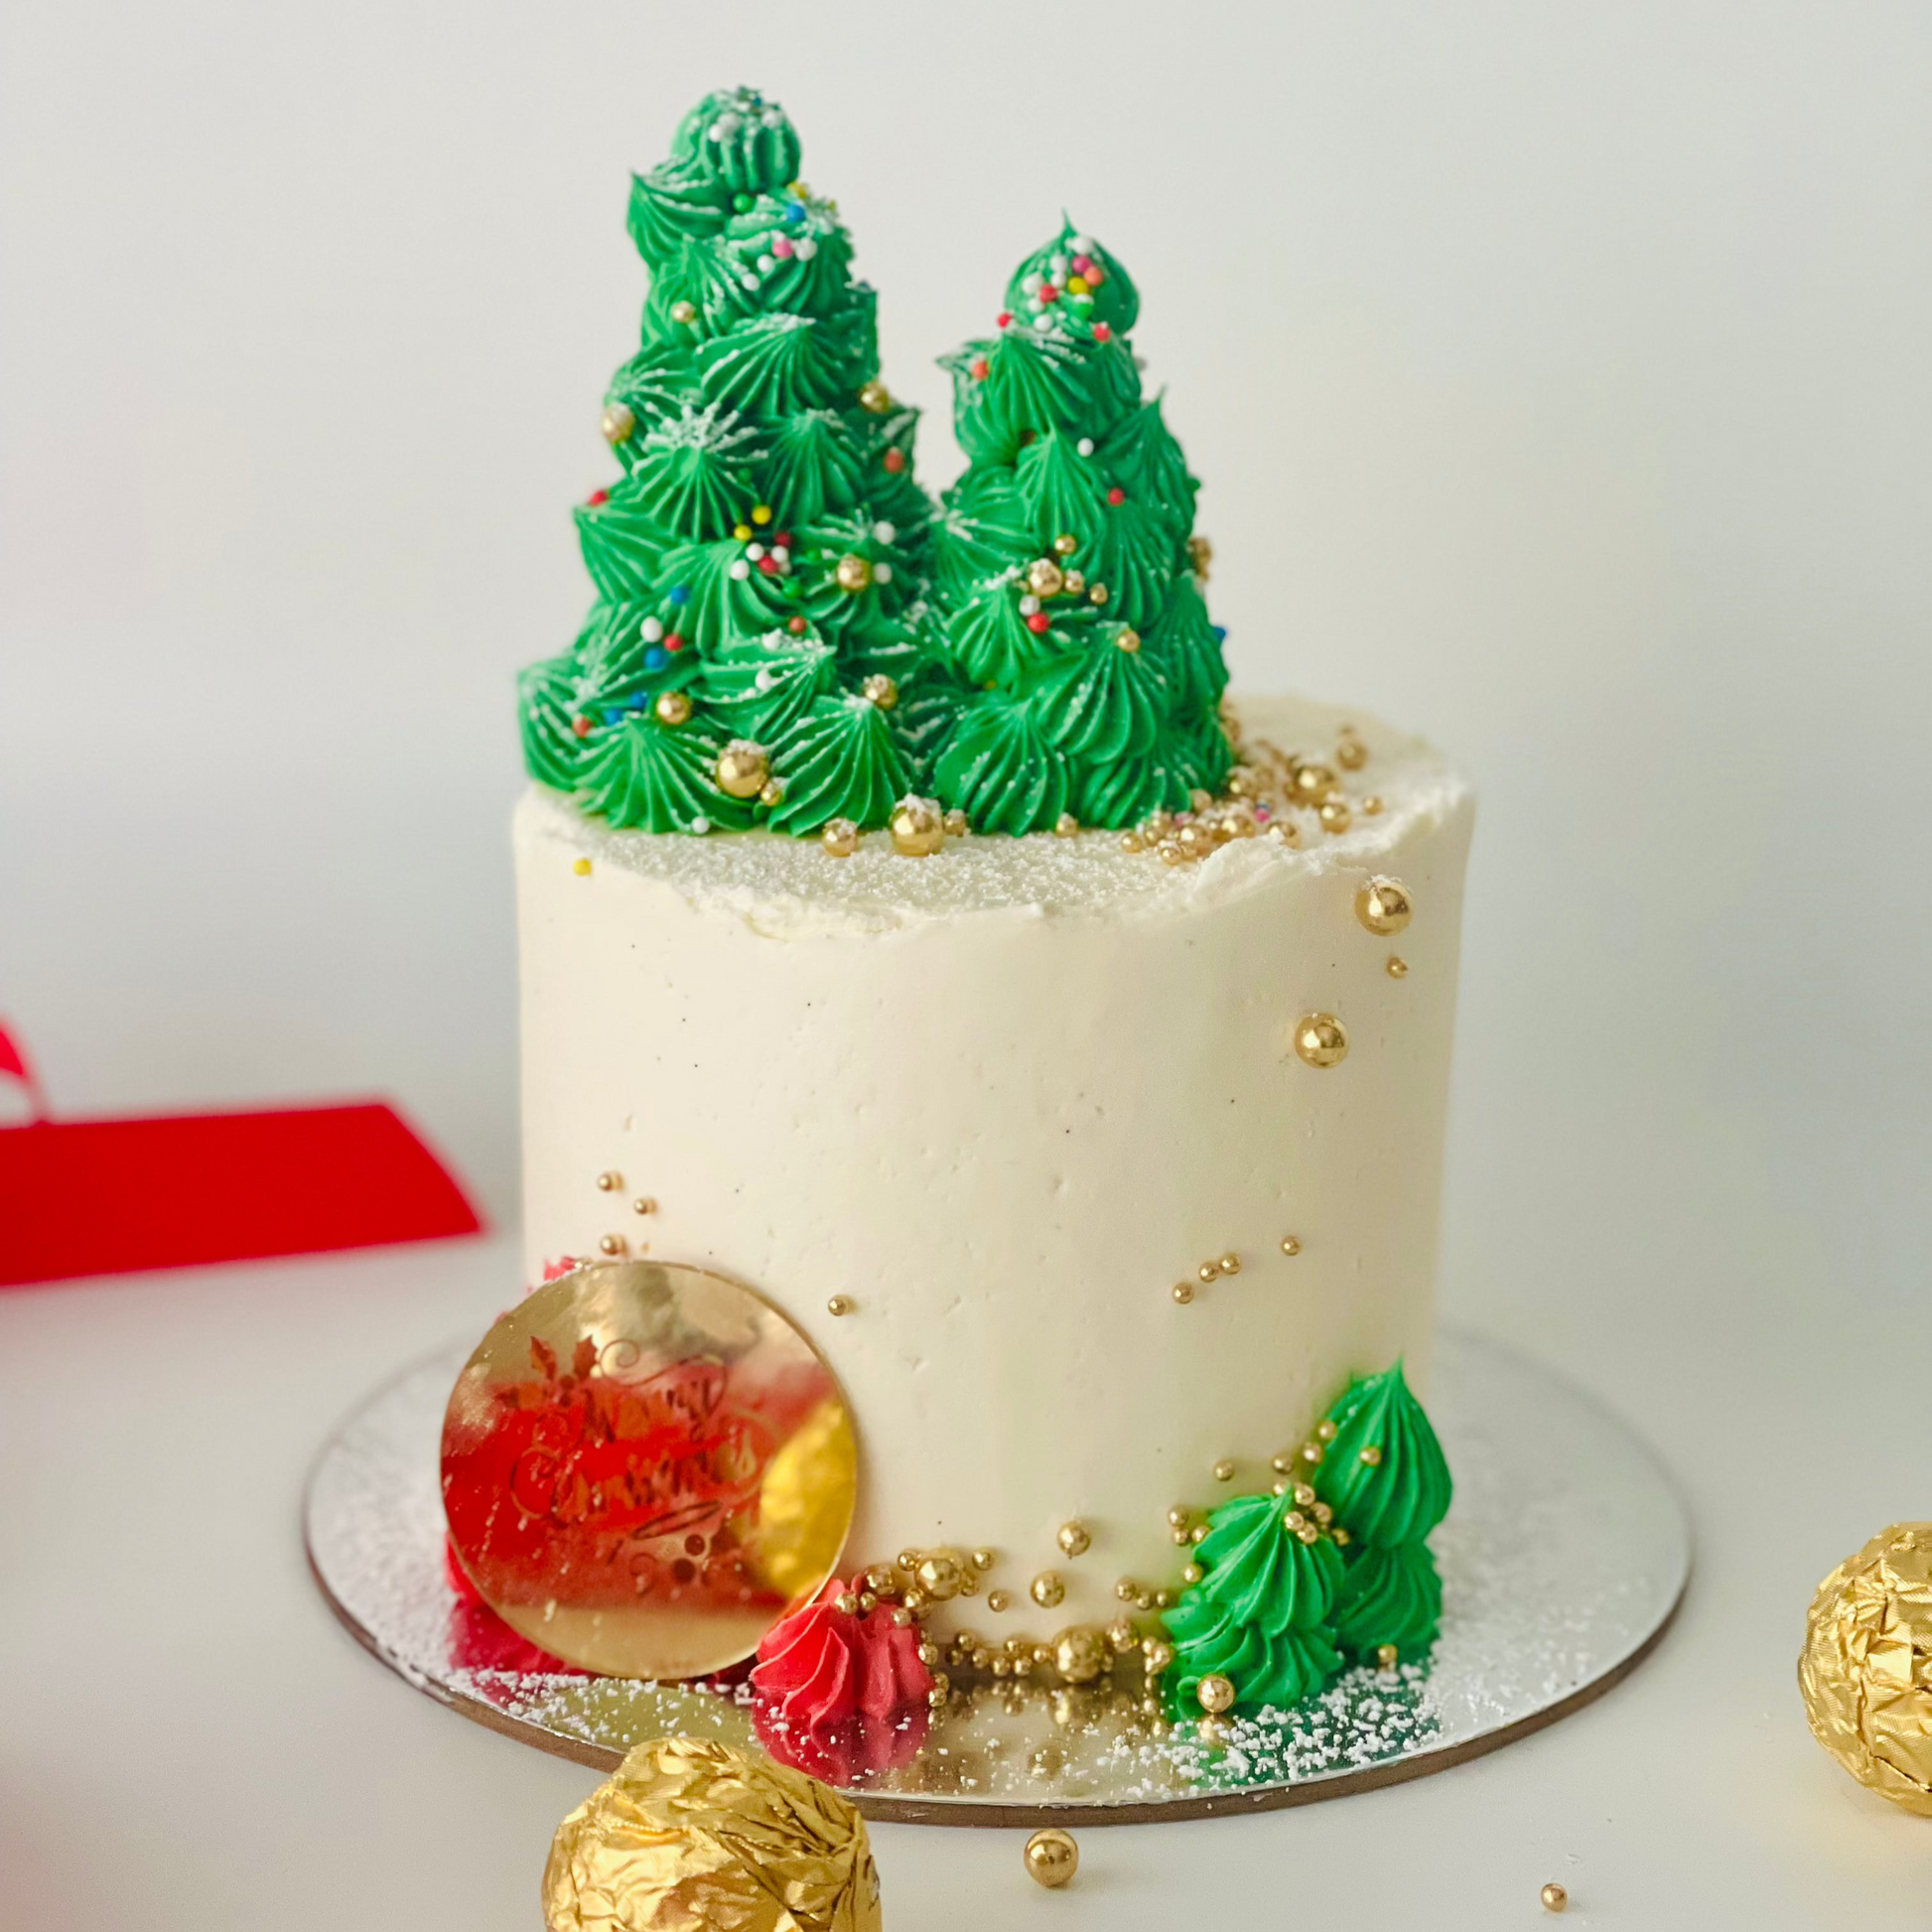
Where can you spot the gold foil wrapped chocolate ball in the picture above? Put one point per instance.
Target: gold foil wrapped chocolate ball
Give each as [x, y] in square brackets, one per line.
[690, 1834]
[1867, 1667]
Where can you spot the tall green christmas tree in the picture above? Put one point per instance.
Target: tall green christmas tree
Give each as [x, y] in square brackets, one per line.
[759, 651]
[1066, 577]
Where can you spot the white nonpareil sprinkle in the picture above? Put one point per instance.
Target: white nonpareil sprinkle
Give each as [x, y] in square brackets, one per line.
[652, 631]
[754, 551]
[1085, 446]
[741, 570]
[884, 532]
[1028, 605]
[806, 249]
[881, 573]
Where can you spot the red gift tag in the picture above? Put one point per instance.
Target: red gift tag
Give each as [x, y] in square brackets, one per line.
[113, 1196]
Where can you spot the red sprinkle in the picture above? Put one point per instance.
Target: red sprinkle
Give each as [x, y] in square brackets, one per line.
[1101, 332]
[979, 369]
[895, 461]
[1003, 318]
[1117, 496]
[580, 726]
[769, 564]
[675, 641]
[796, 625]
[1048, 294]
[1038, 620]
[783, 539]
[599, 497]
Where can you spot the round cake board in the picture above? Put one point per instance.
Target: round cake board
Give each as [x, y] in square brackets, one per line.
[1564, 1558]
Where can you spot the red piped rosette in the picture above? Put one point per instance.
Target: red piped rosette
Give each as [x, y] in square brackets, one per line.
[849, 1753]
[823, 1666]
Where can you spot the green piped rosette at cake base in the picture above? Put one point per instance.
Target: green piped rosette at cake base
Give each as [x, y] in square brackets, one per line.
[759, 651]
[1334, 1569]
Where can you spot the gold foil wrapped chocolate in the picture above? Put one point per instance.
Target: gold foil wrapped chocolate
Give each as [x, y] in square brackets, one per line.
[1867, 1667]
[690, 1835]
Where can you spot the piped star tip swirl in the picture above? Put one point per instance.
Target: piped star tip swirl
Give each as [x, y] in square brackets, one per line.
[1065, 589]
[765, 492]
[690, 1833]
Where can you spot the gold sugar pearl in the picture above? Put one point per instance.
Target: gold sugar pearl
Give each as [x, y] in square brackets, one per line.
[1325, 1432]
[1127, 1589]
[1066, 544]
[1371, 807]
[643, 1205]
[742, 769]
[1224, 1469]
[984, 1559]
[1230, 1263]
[1217, 1694]
[1132, 842]
[1386, 1656]
[874, 397]
[1290, 1245]
[998, 1600]
[1384, 907]
[839, 1305]
[610, 1182]
[1178, 1516]
[853, 574]
[1334, 815]
[610, 1244]
[672, 708]
[1553, 1897]
[1047, 1590]
[1052, 1858]
[1373, 1457]
[954, 823]
[1074, 1539]
[840, 838]
[1126, 639]
[617, 423]
[1179, 1537]
[1199, 1534]
[1065, 826]
[1182, 1292]
[1321, 1040]
[1351, 753]
[882, 690]
[684, 312]
[1157, 1654]
[1305, 1495]
[1122, 1636]
[1397, 968]
[1192, 1574]
[1312, 1452]
[772, 792]
[1045, 577]
[1209, 1270]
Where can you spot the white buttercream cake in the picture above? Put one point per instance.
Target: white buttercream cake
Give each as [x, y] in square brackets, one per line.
[1010, 1109]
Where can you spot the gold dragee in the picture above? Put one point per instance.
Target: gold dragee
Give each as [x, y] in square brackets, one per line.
[691, 1834]
[1865, 1672]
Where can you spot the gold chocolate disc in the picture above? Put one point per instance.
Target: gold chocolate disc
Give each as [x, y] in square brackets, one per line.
[645, 1466]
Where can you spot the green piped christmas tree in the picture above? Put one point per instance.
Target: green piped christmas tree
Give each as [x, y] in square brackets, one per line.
[1335, 1566]
[1385, 1476]
[1067, 579]
[759, 652]
[1260, 1615]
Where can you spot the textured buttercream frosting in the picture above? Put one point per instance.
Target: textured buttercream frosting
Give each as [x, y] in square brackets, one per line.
[1001, 1099]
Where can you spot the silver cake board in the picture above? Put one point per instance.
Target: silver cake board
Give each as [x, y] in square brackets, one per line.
[1563, 1559]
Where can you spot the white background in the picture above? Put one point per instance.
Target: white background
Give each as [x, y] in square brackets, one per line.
[1559, 381]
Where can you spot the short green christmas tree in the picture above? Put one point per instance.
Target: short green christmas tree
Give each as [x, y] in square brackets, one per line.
[1068, 578]
[1336, 1566]
[1384, 1474]
[758, 650]
[1260, 1613]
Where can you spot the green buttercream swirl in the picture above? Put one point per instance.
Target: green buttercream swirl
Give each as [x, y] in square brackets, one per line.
[839, 761]
[1389, 1596]
[1403, 1489]
[1069, 527]
[1260, 1615]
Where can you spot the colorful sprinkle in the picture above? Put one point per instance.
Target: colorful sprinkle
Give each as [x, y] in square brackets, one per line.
[1101, 332]
[680, 594]
[582, 868]
[598, 498]
[979, 369]
[673, 642]
[656, 657]
[1038, 620]
[894, 462]
[761, 513]
[1117, 496]
[580, 726]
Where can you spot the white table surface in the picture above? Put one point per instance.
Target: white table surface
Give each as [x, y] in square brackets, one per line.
[1559, 381]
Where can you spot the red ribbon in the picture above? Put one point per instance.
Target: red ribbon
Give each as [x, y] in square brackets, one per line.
[113, 1196]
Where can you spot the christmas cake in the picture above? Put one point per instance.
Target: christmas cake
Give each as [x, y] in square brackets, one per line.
[911, 930]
